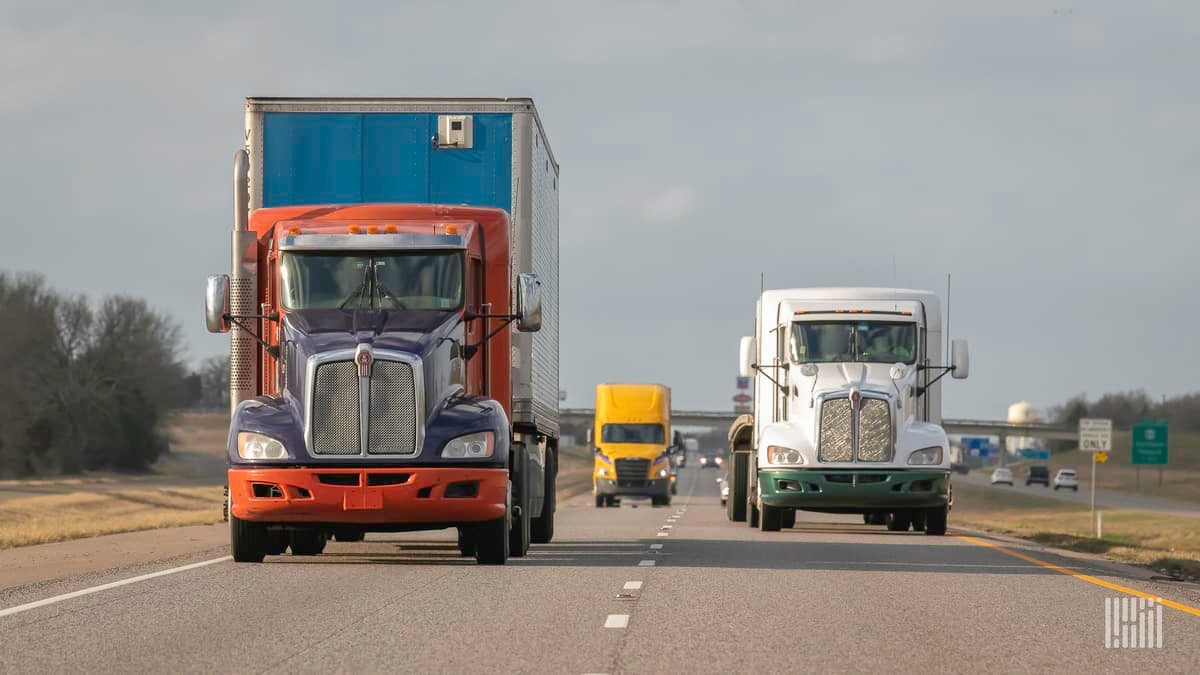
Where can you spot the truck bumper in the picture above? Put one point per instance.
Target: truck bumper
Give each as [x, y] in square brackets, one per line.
[364, 496]
[608, 487]
[865, 489]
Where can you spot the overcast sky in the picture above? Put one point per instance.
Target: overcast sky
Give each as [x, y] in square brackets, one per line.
[1046, 155]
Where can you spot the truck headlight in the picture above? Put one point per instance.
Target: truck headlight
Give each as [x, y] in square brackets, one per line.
[778, 454]
[926, 456]
[662, 473]
[472, 446]
[258, 446]
[603, 472]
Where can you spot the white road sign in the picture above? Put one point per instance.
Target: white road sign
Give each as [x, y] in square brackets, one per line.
[1095, 435]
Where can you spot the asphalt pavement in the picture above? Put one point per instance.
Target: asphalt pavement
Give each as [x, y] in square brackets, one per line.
[1109, 498]
[634, 589]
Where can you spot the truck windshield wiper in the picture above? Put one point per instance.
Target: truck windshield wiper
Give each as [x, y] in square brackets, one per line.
[385, 293]
[362, 288]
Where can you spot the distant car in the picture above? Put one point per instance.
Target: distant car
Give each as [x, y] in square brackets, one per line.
[681, 458]
[1038, 474]
[1002, 476]
[724, 489]
[711, 459]
[1066, 479]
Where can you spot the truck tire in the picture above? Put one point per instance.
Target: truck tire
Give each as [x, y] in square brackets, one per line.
[601, 502]
[752, 514]
[875, 518]
[935, 520]
[918, 520]
[466, 541]
[491, 539]
[247, 541]
[899, 521]
[660, 501]
[349, 534]
[307, 542]
[542, 527]
[735, 505]
[770, 518]
[674, 487]
[277, 543]
[519, 530]
[789, 519]
[491, 543]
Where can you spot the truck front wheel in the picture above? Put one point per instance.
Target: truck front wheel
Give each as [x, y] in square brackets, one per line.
[307, 542]
[466, 541]
[247, 541]
[935, 520]
[543, 526]
[492, 539]
[770, 518]
[899, 521]
[518, 533]
[789, 519]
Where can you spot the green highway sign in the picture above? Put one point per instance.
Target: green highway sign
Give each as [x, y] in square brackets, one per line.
[1149, 443]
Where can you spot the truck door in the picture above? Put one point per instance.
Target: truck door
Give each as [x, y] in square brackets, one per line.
[475, 334]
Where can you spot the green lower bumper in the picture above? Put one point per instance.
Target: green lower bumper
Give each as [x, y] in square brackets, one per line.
[854, 490]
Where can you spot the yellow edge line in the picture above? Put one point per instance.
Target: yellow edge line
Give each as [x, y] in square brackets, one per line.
[1083, 577]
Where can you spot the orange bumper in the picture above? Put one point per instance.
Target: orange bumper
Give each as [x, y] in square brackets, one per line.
[365, 496]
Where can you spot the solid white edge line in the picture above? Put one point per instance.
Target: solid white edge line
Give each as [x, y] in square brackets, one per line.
[616, 621]
[104, 587]
[633, 586]
[655, 545]
[646, 563]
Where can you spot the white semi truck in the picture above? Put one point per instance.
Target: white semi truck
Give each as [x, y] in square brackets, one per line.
[847, 409]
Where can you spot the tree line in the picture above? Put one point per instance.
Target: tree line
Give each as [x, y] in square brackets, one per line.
[88, 385]
[1128, 408]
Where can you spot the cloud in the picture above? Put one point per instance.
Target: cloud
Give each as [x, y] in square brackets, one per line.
[671, 206]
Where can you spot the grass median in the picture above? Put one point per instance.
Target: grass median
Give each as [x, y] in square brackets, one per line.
[1162, 542]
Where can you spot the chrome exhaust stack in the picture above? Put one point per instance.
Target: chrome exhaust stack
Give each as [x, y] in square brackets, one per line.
[243, 285]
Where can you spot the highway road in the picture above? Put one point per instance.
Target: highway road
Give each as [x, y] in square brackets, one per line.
[627, 590]
[1116, 500]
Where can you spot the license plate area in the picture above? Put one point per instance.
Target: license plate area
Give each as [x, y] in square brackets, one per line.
[362, 499]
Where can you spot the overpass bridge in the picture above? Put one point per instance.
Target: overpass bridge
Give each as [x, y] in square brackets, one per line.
[582, 417]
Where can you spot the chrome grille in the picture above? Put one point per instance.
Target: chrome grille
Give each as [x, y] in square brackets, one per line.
[392, 425]
[836, 442]
[874, 431]
[335, 409]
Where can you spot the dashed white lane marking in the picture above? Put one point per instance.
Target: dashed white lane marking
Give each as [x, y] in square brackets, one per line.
[646, 563]
[104, 587]
[655, 545]
[667, 527]
[633, 585]
[616, 621]
[662, 534]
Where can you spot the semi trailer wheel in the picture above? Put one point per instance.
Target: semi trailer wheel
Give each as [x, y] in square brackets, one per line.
[247, 541]
[542, 527]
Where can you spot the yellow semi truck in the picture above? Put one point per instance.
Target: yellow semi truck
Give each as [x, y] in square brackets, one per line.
[632, 439]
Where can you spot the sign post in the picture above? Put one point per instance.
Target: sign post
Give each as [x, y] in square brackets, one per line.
[1095, 436]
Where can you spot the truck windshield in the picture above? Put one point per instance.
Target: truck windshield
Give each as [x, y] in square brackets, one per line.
[632, 433]
[385, 280]
[850, 341]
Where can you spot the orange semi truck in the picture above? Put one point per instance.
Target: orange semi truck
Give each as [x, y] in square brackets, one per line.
[393, 311]
[633, 450]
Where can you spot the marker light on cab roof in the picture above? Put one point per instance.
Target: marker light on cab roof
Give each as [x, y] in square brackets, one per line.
[390, 229]
[372, 229]
[354, 229]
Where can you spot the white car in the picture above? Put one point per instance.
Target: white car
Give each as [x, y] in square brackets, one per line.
[724, 490]
[1002, 476]
[1066, 479]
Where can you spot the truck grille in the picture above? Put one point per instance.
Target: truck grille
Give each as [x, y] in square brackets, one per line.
[390, 401]
[392, 427]
[632, 472]
[849, 436]
[874, 431]
[335, 409]
[836, 443]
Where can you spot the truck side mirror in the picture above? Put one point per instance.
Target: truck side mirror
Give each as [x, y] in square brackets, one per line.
[960, 360]
[216, 304]
[746, 357]
[529, 303]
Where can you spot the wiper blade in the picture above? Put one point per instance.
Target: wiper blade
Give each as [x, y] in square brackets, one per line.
[362, 288]
[385, 293]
